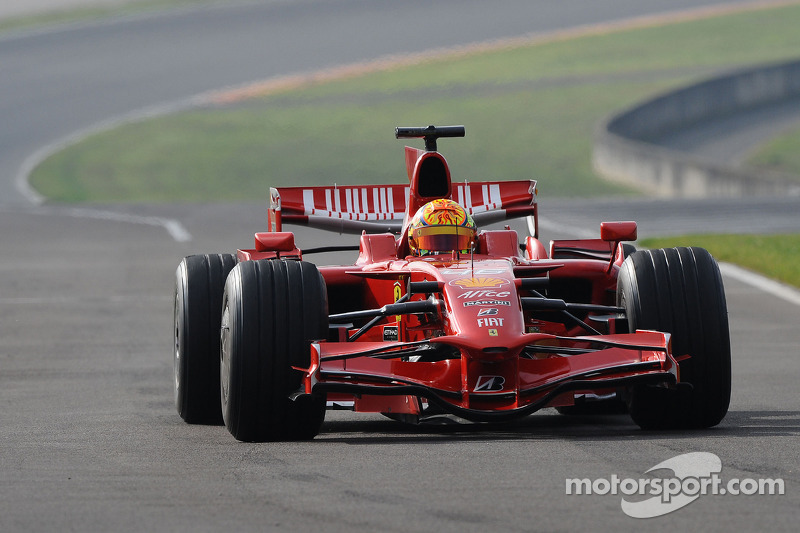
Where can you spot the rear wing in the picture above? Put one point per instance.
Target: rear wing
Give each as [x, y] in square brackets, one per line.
[384, 208]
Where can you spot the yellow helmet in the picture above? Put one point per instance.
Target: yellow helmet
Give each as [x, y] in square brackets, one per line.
[441, 226]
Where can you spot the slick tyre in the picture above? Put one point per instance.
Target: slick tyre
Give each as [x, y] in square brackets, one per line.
[272, 309]
[627, 250]
[199, 282]
[680, 291]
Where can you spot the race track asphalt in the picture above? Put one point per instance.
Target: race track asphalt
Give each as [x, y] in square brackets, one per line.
[89, 437]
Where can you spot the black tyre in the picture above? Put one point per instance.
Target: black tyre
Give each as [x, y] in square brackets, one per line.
[199, 282]
[680, 291]
[271, 312]
[627, 249]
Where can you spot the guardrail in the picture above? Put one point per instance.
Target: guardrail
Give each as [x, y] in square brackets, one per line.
[622, 151]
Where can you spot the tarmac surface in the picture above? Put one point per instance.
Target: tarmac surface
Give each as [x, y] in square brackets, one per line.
[22, 8]
[89, 436]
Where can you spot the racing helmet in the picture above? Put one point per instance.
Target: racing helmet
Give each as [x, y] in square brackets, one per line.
[441, 226]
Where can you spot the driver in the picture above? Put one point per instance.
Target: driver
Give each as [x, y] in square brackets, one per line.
[441, 226]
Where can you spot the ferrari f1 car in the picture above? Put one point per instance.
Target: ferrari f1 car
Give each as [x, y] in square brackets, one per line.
[435, 318]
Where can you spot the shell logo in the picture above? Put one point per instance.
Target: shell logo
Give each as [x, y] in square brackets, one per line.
[472, 283]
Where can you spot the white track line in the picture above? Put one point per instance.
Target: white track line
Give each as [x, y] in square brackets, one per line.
[175, 229]
[770, 286]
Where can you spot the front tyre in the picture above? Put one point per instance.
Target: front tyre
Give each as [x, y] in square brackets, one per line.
[271, 311]
[680, 291]
[199, 281]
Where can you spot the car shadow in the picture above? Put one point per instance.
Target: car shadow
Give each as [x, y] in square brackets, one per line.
[548, 424]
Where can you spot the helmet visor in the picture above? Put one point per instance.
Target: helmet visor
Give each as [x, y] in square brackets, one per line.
[433, 239]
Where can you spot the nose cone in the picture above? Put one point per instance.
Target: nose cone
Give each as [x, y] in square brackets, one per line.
[484, 308]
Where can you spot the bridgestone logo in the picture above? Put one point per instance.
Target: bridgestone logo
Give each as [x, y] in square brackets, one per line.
[489, 383]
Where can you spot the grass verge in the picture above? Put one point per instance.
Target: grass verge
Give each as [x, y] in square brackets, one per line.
[775, 256]
[529, 111]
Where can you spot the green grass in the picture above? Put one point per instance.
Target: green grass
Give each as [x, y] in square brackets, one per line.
[529, 111]
[237, 154]
[780, 154]
[775, 256]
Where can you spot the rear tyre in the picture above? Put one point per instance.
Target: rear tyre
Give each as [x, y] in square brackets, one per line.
[272, 309]
[199, 282]
[680, 291]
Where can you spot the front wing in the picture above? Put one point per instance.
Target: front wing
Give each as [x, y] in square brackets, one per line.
[549, 372]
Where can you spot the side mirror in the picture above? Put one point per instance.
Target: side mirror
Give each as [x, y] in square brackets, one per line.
[618, 231]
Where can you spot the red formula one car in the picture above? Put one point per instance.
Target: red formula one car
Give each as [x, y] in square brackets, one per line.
[435, 318]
